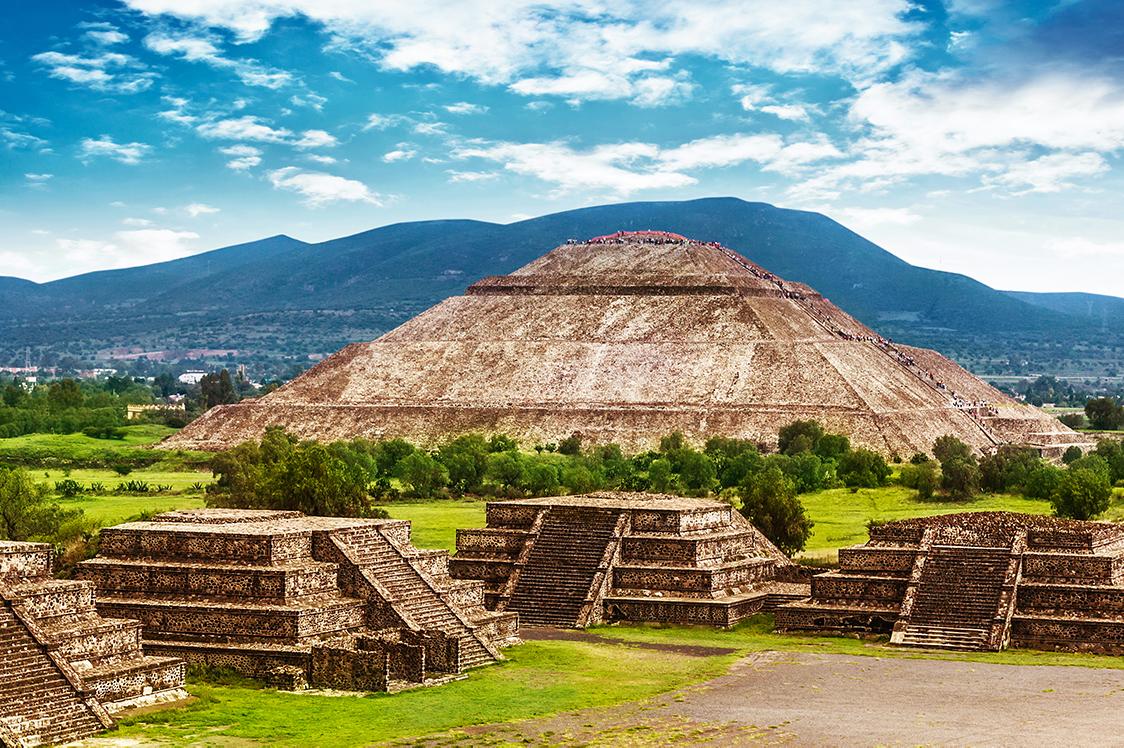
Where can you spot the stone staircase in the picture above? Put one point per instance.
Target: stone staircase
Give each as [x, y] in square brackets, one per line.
[39, 705]
[413, 594]
[958, 597]
[556, 584]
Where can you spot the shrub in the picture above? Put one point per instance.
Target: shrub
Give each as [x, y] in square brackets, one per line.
[948, 447]
[659, 475]
[919, 458]
[1104, 413]
[960, 477]
[1073, 420]
[423, 475]
[1042, 482]
[862, 468]
[789, 439]
[68, 488]
[697, 472]
[122, 468]
[1071, 454]
[571, 445]
[925, 478]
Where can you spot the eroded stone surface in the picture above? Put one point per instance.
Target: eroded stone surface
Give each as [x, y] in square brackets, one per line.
[627, 338]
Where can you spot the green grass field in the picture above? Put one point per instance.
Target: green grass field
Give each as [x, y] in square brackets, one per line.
[79, 450]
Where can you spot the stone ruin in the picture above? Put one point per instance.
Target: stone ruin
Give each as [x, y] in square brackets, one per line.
[574, 561]
[65, 669]
[297, 601]
[626, 338]
[976, 581]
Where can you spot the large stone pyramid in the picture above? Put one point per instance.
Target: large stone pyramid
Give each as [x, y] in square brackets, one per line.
[627, 337]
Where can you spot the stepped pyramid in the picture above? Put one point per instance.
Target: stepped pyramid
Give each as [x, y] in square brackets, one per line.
[976, 581]
[575, 561]
[625, 338]
[64, 669]
[298, 601]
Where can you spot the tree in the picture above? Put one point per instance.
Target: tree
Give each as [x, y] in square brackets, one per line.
[697, 472]
[862, 468]
[924, 477]
[659, 475]
[673, 442]
[1042, 482]
[466, 460]
[769, 502]
[64, 395]
[578, 479]
[1073, 420]
[1083, 493]
[217, 389]
[1104, 413]
[543, 479]
[571, 445]
[948, 446]
[1071, 453]
[1007, 468]
[423, 475]
[833, 446]
[506, 469]
[960, 477]
[25, 511]
[389, 453]
[812, 431]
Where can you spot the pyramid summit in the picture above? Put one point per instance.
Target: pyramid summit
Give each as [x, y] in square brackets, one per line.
[625, 338]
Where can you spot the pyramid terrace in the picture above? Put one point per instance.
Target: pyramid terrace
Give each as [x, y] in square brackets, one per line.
[626, 338]
[298, 601]
[574, 561]
[978, 581]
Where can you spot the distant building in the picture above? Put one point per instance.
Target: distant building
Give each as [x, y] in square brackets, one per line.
[192, 377]
[133, 412]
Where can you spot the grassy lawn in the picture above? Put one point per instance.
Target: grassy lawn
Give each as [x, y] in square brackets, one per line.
[114, 508]
[435, 523]
[79, 450]
[539, 678]
[841, 516]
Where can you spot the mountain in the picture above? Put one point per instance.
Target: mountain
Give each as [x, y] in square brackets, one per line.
[282, 297]
[1104, 312]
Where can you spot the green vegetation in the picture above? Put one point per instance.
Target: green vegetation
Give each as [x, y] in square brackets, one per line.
[78, 450]
[1104, 413]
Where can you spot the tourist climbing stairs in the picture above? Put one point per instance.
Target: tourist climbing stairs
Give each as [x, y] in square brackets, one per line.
[958, 599]
[556, 584]
[413, 594]
[38, 704]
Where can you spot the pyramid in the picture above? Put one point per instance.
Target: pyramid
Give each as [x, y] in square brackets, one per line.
[625, 338]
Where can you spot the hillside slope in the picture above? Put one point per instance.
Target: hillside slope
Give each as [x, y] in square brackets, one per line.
[282, 296]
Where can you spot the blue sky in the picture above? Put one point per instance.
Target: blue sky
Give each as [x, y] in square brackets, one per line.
[974, 136]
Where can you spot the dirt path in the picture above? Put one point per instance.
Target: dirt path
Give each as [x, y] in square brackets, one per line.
[834, 700]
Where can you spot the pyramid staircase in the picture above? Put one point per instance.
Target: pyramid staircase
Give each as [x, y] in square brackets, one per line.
[559, 583]
[421, 599]
[39, 703]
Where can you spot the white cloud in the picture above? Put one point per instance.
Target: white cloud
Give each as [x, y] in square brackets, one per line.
[381, 121]
[319, 188]
[316, 139]
[136, 222]
[128, 249]
[106, 147]
[860, 219]
[795, 112]
[624, 168]
[243, 128]
[430, 128]
[108, 71]
[107, 37]
[203, 49]
[580, 49]
[328, 160]
[199, 209]
[1050, 173]
[243, 157]
[465, 107]
[37, 181]
[340, 76]
[470, 176]
[310, 100]
[399, 154]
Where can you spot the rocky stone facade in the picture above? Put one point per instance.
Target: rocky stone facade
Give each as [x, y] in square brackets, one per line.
[977, 581]
[298, 601]
[626, 338]
[64, 668]
[579, 560]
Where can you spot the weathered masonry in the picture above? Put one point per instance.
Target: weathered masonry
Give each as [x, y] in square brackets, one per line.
[626, 338]
[977, 581]
[298, 601]
[64, 669]
[579, 560]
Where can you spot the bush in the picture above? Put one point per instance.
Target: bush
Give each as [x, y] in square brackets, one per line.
[571, 445]
[423, 475]
[769, 502]
[799, 436]
[862, 468]
[1082, 493]
[68, 488]
[1073, 420]
[925, 478]
[1071, 454]
[25, 511]
[1042, 482]
[1008, 468]
[1104, 413]
[960, 477]
[948, 447]
[919, 458]
[659, 475]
